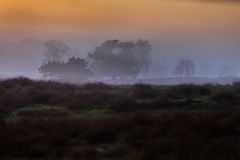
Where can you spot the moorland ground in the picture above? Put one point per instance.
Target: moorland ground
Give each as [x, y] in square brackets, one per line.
[50, 120]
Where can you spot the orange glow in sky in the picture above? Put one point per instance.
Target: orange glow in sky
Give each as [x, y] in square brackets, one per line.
[121, 16]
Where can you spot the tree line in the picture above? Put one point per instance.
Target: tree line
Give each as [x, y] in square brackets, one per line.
[112, 59]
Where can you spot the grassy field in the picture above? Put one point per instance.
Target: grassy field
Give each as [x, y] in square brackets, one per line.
[42, 120]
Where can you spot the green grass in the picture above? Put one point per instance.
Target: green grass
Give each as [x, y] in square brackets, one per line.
[17, 116]
[92, 113]
[13, 119]
[41, 107]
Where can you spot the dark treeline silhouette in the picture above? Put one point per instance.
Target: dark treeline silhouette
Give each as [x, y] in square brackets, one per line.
[75, 70]
[113, 59]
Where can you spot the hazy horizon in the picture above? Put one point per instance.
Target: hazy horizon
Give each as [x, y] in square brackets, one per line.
[207, 32]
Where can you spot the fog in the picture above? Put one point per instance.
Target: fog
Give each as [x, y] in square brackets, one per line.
[212, 59]
[205, 33]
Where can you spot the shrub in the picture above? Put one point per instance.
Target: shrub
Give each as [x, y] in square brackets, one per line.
[21, 81]
[188, 91]
[226, 98]
[97, 86]
[182, 135]
[143, 91]
[124, 104]
[42, 111]
[162, 102]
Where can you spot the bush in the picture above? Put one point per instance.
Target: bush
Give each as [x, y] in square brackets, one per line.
[39, 111]
[97, 121]
[188, 91]
[124, 104]
[144, 91]
[21, 81]
[97, 86]
[226, 98]
[162, 102]
[181, 135]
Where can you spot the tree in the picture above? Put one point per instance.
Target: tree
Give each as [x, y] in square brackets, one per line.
[116, 59]
[75, 70]
[55, 50]
[143, 49]
[52, 69]
[185, 68]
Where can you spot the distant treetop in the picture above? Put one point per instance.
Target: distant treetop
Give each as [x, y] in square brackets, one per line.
[116, 59]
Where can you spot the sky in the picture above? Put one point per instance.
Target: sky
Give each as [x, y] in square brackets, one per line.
[127, 18]
[209, 25]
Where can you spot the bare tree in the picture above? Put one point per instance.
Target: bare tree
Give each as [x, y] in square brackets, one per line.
[185, 68]
[55, 50]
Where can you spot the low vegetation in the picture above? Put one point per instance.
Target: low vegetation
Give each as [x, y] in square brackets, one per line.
[50, 120]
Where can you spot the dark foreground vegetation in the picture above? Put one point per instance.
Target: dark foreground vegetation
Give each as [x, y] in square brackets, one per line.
[49, 120]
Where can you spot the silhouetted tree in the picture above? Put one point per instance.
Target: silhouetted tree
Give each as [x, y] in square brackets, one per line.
[143, 49]
[75, 70]
[54, 50]
[116, 59]
[51, 69]
[185, 68]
